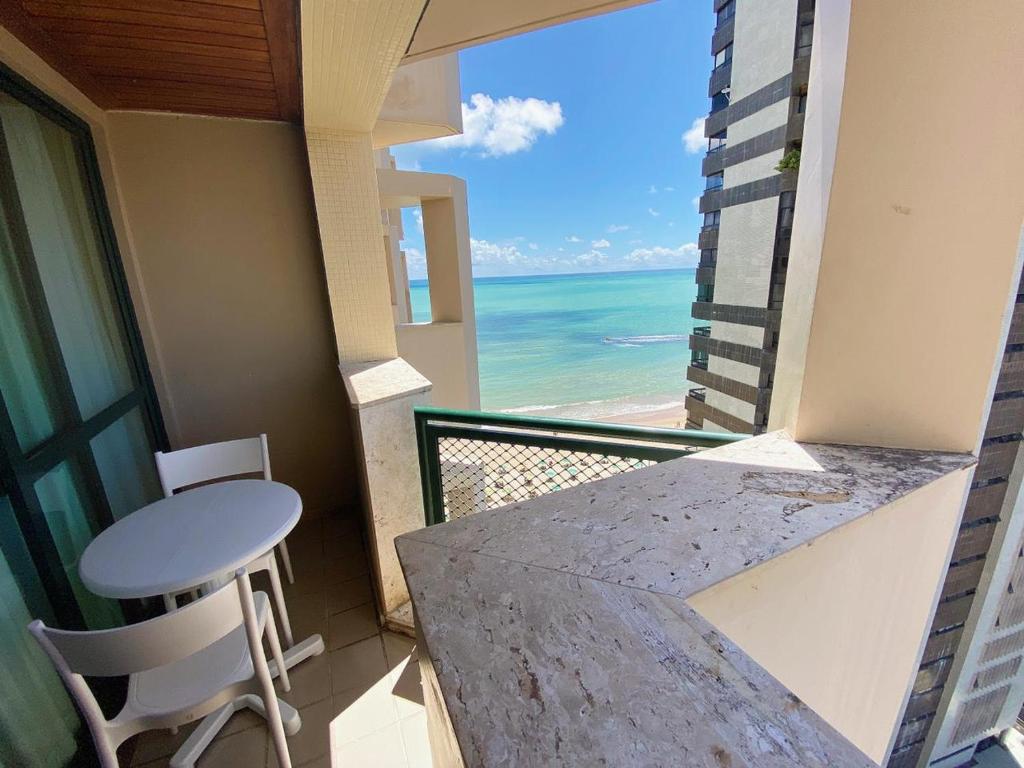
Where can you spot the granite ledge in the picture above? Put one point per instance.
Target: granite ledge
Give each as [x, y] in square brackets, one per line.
[380, 381]
[559, 631]
[681, 526]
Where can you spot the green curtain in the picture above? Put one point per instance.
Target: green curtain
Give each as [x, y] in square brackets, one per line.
[37, 720]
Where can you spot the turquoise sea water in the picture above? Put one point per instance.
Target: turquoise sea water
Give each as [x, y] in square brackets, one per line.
[582, 343]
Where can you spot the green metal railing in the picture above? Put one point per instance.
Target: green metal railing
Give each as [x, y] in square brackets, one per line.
[471, 460]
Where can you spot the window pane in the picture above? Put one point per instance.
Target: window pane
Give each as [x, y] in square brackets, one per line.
[37, 720]
[26, 377]
[65, 244]
[62, 495]
[126, 465]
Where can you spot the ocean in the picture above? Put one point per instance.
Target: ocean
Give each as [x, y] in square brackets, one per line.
[589, 346]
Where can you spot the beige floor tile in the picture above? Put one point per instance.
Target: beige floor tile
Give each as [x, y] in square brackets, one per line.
[415, 740]
[406, 688]
[342, 523]
[308, 613]
[397, 648]
[349, 593]
[351, 626]
[360, 665]
[154, 745]
[360, 713]
[382, 749]
[344, 563]
[314, 738]
[311, 682]
[246, 749]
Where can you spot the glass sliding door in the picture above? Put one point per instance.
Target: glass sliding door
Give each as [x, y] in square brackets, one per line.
[78, 417]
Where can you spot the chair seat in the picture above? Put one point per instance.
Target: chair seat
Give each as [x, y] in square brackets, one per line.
[196, 678]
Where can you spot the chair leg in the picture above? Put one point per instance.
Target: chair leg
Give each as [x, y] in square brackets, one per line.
[279, 606]
[275, 649]
[287, 560]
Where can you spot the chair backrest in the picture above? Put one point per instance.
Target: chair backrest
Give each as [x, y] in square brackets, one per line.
[202, 463]
[148, 644]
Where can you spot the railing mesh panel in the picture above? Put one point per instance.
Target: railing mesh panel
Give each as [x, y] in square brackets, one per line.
[478, 475]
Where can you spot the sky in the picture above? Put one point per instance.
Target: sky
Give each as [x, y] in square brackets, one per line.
[582, 145]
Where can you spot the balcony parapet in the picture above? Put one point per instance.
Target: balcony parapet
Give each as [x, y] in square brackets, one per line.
[584, 623]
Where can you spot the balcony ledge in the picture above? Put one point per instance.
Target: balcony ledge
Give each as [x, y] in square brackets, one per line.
[559, 629]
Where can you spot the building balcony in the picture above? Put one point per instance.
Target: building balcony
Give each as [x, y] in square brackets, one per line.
[707, 238]
[697, 393]
[702, 330]
[720, 78]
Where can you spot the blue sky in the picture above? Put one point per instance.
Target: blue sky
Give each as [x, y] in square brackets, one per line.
[574, 156]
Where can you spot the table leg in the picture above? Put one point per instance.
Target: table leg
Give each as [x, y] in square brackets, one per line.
[211, 725]
[208, 729]
[305, 649]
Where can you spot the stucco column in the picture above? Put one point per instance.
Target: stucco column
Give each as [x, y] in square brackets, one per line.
[348, 212]
[350, 51]
[902, 281]
[904, 260]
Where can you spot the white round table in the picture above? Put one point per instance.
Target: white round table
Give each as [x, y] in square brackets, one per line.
[193, 538]
[189, 539]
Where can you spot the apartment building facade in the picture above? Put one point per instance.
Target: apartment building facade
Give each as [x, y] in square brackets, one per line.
[758, 93]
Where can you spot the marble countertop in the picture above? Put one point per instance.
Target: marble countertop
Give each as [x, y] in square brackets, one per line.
[559, 631]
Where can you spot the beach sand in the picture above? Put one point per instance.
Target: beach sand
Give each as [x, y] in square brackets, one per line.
[673, 417]
[646, 411]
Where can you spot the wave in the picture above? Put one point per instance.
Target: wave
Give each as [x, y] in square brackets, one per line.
[534, 408]
[599, 410]
[636, 341]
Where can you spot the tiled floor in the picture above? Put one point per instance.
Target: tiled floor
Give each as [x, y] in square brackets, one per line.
[360, 701]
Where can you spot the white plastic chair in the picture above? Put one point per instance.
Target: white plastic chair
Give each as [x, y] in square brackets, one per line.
[216, 461]
[206, 657]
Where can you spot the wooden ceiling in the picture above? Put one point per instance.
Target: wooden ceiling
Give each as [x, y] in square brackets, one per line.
[233, 58]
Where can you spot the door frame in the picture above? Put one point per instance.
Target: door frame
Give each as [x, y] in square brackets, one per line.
[19, 470]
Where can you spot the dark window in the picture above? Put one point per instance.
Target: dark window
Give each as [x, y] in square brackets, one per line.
[716, 142]
[720, 101]
[726, 12]
[711, 218]
[78, 415]
[801, 103]
[715, 181]
[724, 56]
[804, 35]
[706, 292]
[787, 201]
[708, 257]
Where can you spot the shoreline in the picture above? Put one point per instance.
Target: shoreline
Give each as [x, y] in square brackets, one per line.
[664, 411]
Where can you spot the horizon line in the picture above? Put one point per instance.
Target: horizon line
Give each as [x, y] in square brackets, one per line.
[567, 274]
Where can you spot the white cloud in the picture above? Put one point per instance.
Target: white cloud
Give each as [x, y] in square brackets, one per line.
[696, 203]
[503, 126]
[573, 239]
[591, 259]
[417, 213]
[668, 189]
[488, 253]
[635, 242]
[613, 228]
[693, 139]
[602, 243]
[533, 246]
[660, 256]
[653, 212]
